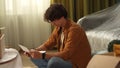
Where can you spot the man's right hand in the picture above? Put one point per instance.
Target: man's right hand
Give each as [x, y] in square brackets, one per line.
[27, 54]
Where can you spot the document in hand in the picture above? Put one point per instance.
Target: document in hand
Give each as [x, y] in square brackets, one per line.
[23, 48]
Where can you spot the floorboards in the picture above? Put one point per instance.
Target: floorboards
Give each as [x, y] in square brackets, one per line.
[27, 62]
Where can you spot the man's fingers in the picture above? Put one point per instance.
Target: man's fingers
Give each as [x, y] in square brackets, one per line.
[27, 54]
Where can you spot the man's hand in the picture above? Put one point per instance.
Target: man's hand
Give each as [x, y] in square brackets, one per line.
[34, 54]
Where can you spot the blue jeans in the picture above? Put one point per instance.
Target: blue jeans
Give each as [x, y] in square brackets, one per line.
[54, 62]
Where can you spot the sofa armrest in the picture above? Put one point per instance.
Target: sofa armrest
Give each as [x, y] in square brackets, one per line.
[92, 21]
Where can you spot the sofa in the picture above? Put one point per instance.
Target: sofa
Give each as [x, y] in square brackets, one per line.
[102, 27]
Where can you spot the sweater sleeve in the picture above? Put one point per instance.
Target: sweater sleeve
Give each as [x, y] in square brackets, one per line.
[52, 41]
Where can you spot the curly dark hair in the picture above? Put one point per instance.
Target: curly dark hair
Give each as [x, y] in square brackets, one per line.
[55, 11]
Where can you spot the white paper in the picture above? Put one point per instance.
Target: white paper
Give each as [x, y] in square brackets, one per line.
[24, 48]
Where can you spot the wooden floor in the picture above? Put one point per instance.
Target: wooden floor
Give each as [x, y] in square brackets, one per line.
[27, 62]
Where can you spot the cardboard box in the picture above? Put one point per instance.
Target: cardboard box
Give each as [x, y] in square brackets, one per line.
[2, 45]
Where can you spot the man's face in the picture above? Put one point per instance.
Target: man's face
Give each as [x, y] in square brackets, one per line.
[58, 22]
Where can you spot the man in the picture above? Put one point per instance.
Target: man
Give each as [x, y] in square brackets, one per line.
[73, 46]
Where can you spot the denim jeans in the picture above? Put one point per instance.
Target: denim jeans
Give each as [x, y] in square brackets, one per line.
[54, 62]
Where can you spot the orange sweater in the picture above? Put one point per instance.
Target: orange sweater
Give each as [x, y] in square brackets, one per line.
[75, 48]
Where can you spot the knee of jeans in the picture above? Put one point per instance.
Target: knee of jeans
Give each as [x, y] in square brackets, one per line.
[53, 62]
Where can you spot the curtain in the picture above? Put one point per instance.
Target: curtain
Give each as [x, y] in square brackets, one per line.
[118, 1]
[23, 22]
[79, 8]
